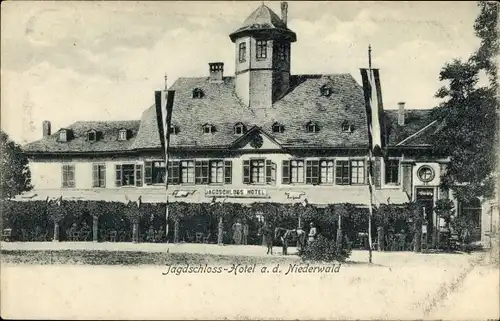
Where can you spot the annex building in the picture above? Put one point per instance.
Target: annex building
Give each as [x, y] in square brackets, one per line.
[263, 134]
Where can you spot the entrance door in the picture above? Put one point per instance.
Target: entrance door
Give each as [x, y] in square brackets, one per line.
[425, 196]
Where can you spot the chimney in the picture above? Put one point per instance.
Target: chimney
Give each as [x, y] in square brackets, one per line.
[401, 113]
[284, 12]
[216, 71]
[46, 128]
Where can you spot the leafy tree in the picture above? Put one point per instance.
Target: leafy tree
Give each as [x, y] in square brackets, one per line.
[468, 114]
[14, 170]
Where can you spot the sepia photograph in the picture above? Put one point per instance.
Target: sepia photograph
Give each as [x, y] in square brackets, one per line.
[249, 160]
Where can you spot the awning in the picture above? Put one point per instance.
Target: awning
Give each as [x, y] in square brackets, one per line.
[317, 195]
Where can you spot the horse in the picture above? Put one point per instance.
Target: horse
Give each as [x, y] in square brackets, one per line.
[297, 235]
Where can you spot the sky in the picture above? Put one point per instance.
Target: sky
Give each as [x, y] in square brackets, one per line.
[71, 61]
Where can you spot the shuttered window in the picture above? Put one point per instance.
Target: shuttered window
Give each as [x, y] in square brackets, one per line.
[68, 175]
[217, 171]
[392, 171]
[246, 172]
[228, 171]
[98, 175]
[312, 172]
[138, 175]
[342, 172]
[259, 171]
[270, 172]
[285, 172]
[297, 171]
[148, 173]
[118, 170]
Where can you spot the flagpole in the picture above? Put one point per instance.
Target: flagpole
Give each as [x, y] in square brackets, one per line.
[166, 165]
[370, 178]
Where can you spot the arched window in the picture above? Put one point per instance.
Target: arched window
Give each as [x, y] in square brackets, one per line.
[122, 134]
[92, 135]
[198, 93]
[346, 127]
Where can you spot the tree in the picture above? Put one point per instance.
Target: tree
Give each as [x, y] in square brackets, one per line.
[14, 170]
[468, 115]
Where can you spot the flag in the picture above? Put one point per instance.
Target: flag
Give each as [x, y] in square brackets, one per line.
[374, 109]
[164, 101]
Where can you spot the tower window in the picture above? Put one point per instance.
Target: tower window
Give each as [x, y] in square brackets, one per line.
[282, 51]
[261, 49]
[312, 127]
[243, 52]
[198, 93]
[278, 128]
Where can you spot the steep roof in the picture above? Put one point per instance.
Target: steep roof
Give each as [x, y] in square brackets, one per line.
[108, 141]
[415, 121]
[302, 104]
[263, 19]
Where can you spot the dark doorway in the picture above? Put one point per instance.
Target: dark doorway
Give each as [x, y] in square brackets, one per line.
[425, 197]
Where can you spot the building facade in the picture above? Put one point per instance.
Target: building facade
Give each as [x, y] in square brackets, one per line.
[261, 135]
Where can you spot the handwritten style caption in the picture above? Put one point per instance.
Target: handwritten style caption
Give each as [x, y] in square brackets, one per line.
[239, 269]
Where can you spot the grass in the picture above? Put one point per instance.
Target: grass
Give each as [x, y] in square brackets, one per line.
[79, 257]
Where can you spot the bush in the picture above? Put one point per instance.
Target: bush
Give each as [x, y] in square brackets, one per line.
[324, 250]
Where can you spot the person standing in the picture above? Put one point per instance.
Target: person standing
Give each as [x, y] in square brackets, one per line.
[267, 231]
[237, 232]
[313, 232]
[245, 232]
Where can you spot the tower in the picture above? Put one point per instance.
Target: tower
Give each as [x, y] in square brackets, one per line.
[262, 64]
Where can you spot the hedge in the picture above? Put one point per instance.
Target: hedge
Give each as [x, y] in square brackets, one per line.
[34, 220]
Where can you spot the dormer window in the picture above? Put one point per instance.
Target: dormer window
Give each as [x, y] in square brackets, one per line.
[208, 129]
[92, 136]
[63, 135]
[174, 130]
[346, 127]
[122, 134]
[278, 128]
[326, 90]
[239, 129]
[198, 93]
[312, 127]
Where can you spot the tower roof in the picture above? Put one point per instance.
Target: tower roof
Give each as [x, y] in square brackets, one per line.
[263, 21]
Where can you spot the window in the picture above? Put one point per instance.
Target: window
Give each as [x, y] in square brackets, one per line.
[312, 172]
[92, 136]
[357, 172]
[312, 127]
[198, 93]
[63, 136]
[187, 172]
[68, 175]
[122, 134]
[346, 127]
[325, 90]
[292, 171]
[174, 130]
[261, 52]
[392, 171]
[282, 51]
[259, 171]
[128, 175]
[239, 129]
[342, 172]
[208, 129]
[426, 173]
[326, 169]
[98, 175]
[277, 128]
[217, 171]
[242, 52]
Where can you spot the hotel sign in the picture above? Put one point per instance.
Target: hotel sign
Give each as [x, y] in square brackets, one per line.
[237, 193]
